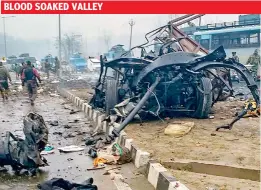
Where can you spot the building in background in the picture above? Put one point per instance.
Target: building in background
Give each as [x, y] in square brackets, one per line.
[242, 36]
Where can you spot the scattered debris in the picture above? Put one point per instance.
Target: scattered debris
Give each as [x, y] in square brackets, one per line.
[26, 153]
[54, 123]
[54, 95]
[96, 168]
[74, 121]
[73, 111]
[211, 117]
[67, 126]
[60, 183]
[71, 148]
[3, 169]
[57, 133]
[39, 91]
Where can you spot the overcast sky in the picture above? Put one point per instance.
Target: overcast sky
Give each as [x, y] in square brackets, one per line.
[91, 27]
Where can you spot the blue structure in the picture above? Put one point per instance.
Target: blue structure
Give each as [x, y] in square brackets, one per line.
[79, 63]
[242, 36]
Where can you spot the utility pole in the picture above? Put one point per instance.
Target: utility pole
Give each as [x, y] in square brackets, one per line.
[5, 17]
[131, 23]
[60, 38]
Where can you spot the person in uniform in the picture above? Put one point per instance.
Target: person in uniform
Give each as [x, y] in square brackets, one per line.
[30, 74]
[235, 57]
[4, 76]
[57, 65]
[47, 67]
[254, 60]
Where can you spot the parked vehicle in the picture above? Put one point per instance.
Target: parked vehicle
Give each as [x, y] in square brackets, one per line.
[78, 63]
[93, 64]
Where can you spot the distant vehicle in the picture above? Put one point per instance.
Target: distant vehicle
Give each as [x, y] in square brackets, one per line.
[78, 63]
[115, 52]
[31, 59]
[93, 64]
[24, 55]
[11, 59]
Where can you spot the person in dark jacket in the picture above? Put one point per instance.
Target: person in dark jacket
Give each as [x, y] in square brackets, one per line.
[30, 76]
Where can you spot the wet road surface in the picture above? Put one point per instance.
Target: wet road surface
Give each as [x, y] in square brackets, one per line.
[70, 166]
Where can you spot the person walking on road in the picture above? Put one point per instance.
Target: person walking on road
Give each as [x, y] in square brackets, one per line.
[4, 76]
[17, 69]
[47, 67]
[30, 74]
[21, 75]
[57, 66]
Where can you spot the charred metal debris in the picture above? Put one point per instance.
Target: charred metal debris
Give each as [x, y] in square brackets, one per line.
[181, 77]
[24, 154]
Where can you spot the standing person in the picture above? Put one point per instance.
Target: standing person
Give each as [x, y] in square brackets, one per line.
[254, 60]
[17, 70]
[57, 65]
[30, 74]
[235, 57]
[4, 76]
[47, 67]
[21, 75]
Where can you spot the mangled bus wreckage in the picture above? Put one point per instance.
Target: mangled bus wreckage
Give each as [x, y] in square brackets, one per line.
[182, 77]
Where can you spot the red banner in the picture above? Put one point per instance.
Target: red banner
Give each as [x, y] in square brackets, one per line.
[130, 7]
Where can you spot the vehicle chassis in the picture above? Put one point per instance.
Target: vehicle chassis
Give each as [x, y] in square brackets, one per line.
[177, 81]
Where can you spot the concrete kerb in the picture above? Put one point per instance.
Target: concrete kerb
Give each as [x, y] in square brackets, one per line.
[157, 175]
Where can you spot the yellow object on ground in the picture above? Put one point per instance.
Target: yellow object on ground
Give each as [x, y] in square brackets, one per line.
[98, 161]
[254, 111]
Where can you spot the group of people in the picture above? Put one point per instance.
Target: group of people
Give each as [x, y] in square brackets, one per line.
[47, 66]
[253, 60]
[28, 75]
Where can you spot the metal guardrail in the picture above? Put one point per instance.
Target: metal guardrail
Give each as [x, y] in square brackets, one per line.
[230, 24]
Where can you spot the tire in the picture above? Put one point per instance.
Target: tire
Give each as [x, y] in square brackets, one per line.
[204, 99]
[111, 95]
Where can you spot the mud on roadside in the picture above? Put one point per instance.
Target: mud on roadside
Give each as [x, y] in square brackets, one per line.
[239, 147]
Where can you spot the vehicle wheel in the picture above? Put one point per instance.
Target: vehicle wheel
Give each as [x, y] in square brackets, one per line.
[204, 99]
[111, 95]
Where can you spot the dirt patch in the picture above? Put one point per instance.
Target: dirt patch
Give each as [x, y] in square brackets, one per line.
[196, 181]
[240, 146]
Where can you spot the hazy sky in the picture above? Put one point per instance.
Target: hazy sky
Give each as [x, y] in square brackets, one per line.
[91, 27]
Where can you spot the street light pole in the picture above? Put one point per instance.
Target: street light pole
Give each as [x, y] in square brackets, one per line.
[131, 23]
[4, 17]
[60, 38]
[4, 37]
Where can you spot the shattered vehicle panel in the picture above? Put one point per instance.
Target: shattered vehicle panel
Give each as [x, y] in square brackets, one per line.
[181, 78]
[25, 153]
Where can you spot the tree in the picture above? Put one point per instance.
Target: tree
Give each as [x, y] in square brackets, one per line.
[70, 44]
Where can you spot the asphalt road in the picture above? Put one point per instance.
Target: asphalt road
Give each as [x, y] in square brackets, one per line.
[70, 166]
